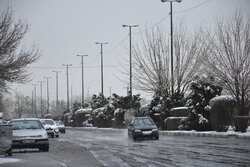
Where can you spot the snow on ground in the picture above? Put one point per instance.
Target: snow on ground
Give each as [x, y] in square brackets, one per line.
[8, 160]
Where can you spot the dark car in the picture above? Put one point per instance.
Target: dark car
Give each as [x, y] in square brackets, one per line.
[143, 127]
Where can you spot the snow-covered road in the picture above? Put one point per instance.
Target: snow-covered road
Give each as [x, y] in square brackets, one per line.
[116, 149]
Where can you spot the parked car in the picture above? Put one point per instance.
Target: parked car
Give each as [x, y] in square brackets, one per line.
[29, 133]
[61, 126]
[50, 126]
[143, 127]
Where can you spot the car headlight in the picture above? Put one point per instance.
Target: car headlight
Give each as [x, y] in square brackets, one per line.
[45, 135]
[137, 130]
[56, 130]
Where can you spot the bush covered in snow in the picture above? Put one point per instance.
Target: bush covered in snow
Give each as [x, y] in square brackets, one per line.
[110, 112]
[202, 91]
[98, 101]
[67, 119]
[159, 108]
[118, 121]
[221, 112]
[82, 115]
[194, 121]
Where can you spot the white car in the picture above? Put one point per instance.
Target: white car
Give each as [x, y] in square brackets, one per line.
[51, 127]
[29, 133]
[61, 126]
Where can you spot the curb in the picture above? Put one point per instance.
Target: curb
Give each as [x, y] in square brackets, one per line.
[213, 134]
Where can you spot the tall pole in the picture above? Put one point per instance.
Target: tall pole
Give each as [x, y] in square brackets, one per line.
[41, 87]
[56, 89]
[71, 96]
[130, 60]
[35, 99]
[101, 43]
[67, 73]
[171, 49]
[172, 64]
[82, 79]
[32, 103]
[1, 104]
[47, 78]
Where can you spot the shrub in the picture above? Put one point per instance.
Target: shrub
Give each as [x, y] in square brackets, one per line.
[119, 121]
[203, 89]
[194, 121]
[81, 115]
[221, 112]
[241, 123]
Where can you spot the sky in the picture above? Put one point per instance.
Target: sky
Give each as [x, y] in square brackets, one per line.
[62, 29]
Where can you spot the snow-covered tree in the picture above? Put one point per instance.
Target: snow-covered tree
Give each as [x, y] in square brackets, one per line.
[203, 89]
[228, 57]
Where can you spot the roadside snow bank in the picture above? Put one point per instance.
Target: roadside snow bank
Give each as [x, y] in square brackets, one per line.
[8, 160]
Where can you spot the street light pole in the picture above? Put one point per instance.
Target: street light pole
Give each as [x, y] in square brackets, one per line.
[35, 99]
[171, 49]
[67, 73]
[41, 87]
[47, 78]
[101, 43]
[57, 89]
[130, 60]
[82, 80]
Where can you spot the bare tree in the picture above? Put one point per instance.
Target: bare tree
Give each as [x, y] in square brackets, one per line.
[13, 58]
[152, 60]
[151, 64]
[188, 49]
[228, 57]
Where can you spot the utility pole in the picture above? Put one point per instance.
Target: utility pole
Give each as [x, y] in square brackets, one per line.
[32, 104]
[1, 104]
[130, 60]
[57, 89]
[110, 90]
[47, 78]
[67, 73]
[35, 98]
[71, 95]
[82, 80]
[171, 49]
[41, 87]
[101, 43]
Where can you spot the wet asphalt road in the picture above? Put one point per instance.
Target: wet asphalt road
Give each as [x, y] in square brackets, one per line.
[61, 154]
[117, 150]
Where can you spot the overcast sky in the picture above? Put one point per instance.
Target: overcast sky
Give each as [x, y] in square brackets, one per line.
[64, 28]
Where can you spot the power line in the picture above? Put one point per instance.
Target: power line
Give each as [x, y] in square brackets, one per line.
[187, 10]
[118, 44]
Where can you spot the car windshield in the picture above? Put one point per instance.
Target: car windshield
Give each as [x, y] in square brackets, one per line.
[143, 121]
[59, 123]
[47, 122]
[26, 124]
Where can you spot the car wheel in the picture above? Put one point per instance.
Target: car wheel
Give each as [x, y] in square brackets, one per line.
[57, 136]
[133, 137]
[9, 152]
[44, 148]
[156, 137]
